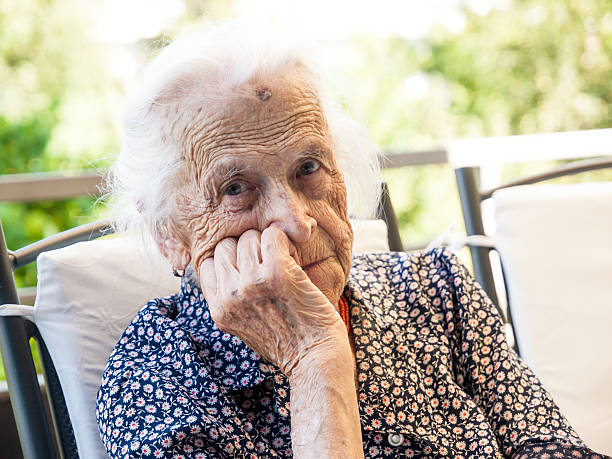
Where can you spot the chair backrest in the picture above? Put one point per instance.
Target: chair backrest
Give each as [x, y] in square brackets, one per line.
[555, 243]
[40, 436]
[555, 246]
[87, 293]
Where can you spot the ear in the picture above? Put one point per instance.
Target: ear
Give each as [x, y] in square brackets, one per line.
[174, 250]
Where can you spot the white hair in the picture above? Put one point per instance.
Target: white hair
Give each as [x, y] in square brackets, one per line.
[143, 181]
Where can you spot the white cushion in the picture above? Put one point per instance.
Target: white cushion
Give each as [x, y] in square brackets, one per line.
[369, 236]
[88, 292]
[555, 243]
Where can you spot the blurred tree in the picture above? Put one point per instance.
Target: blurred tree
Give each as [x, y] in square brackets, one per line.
[55, 89]
[519, 68]
[535, 67]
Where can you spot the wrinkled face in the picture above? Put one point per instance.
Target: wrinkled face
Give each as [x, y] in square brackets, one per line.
[264, 158]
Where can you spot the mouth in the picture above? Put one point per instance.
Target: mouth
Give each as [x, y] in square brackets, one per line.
[315, 263]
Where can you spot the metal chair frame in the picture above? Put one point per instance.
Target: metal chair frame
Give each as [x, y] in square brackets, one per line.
[471, 198]
[41, 437]
[385, 212]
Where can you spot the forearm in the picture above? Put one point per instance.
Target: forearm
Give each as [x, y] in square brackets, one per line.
[324, 411]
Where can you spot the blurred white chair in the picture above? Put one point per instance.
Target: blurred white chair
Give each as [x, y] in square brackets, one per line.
[555, 247]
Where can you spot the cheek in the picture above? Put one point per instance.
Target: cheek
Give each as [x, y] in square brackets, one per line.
[207, 229]
[344, 232]
[333, 219]
[330, 279]
[344, 247]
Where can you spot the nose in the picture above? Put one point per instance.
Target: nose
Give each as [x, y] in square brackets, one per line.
[288, 212]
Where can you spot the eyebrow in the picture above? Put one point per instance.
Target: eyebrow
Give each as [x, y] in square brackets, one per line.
[229, 171]
[226, 170]
[218, 172]
[315, 150]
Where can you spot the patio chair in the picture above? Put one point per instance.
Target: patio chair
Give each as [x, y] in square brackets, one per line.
[87, 293]
[555, 246]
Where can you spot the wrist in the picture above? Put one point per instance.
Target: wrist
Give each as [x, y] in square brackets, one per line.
[324, 410]
[323, 362]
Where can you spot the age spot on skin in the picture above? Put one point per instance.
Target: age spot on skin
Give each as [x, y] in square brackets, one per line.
[263, 94]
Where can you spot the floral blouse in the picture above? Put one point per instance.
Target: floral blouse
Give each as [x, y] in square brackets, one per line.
[436, 377]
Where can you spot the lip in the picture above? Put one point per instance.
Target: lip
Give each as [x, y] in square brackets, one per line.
[315, 263]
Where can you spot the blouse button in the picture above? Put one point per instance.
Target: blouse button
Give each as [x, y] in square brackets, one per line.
[396, 439]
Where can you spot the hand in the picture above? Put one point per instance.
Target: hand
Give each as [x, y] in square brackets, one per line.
[257, 291]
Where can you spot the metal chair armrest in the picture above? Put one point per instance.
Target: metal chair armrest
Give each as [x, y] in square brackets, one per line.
[475, 240]
[19, 310]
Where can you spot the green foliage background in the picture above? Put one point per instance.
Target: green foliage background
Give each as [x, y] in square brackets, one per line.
[532, 66]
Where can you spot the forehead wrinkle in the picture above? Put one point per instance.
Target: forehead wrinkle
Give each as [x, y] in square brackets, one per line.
[246, 124]
[204, 146]
[279, 129]
[192, 122]
[265, 139]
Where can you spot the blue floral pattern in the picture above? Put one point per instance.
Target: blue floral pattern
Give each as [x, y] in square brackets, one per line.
[436, 377]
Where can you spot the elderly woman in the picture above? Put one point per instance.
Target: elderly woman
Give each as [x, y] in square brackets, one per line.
[279, 342]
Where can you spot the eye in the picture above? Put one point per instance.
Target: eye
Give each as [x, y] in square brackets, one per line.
[235, 189]
[308, 167]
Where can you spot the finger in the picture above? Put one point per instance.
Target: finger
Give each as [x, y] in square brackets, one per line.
[274, 245]
[208, 280]
[225, 264]
[248, 252]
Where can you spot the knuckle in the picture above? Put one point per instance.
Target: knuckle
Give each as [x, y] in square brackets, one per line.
[250, 234]
[226, 243]
[270, 233]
